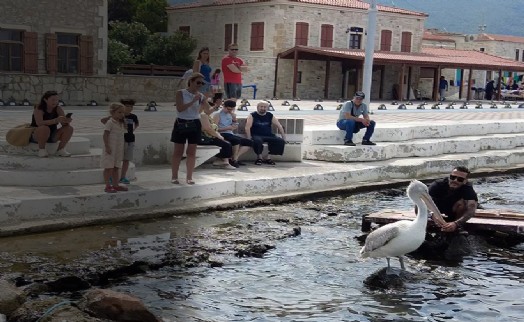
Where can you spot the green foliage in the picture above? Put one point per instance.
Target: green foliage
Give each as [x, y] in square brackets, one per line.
[133, 34]
[172, 49]
[152, 13]
[121, 10]
[118, 54]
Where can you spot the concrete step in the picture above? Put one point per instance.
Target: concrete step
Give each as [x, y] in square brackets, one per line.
[392, 132]
[412, 148]
[34, 163]
[153, 191]
[57, 177]
[77, 145]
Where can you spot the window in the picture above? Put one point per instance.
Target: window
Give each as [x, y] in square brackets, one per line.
[523, 55]
[517, 54]
[482, 49]
[185, 29]
[11, 50]
[68, 53]
[230, 30]
[326, 36]
[301, 34]
[257, 36]
[405, 44]
[355, 40]
[385, 40]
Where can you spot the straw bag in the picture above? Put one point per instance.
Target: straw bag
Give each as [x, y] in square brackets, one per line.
[19, 135]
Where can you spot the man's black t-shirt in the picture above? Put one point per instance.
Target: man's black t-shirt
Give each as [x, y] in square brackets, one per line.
[130, 121]
[445, 198]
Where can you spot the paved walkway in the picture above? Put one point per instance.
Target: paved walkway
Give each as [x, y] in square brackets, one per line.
[86, 118]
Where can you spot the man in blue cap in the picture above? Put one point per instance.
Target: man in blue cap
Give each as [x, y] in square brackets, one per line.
[351, 121]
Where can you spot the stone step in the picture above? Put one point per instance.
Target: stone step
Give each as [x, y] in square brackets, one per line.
[57, 177]
[392, 132]
[53, 163]
[413, 148]
[77, 145]
[51, 205]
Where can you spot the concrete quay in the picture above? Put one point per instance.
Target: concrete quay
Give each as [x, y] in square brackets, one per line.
[496, 132]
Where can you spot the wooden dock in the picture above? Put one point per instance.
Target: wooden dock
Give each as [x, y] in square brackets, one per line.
[485, 220]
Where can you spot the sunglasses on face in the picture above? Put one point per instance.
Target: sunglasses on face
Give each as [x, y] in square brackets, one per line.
[459, 179]
[234, 49]
[200, 83]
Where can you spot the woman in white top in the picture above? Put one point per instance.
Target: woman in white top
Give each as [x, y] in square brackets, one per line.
[187, 128]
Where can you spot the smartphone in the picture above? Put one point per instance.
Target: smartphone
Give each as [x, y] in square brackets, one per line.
[68, 115]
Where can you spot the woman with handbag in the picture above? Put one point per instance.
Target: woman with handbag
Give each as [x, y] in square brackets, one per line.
[187, 127]
[46, 117]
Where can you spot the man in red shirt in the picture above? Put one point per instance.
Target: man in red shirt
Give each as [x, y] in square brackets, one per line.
[232, 67]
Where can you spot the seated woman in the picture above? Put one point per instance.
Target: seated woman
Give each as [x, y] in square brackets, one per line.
[46, 117]
[210, 136]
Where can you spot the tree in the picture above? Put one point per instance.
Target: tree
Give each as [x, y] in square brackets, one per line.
[118, 54]
[121, 10]
[135, 35]
[173, 49]
[152, 13]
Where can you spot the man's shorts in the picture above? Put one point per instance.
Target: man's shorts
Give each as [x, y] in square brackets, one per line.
[233, 90]
[129, 147]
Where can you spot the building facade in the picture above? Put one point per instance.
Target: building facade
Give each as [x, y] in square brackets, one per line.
[264, 29]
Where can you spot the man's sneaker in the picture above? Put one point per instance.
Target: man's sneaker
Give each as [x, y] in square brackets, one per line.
[124, 181]
[234, 163]
[349, 143]
[120, 188]
[110, 189]
[219, 163]
[368, 142]
[229, 167]
[42, 153]
[63, 153]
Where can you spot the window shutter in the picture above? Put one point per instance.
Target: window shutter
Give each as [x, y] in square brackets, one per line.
[385, 40]
[51, 53]
[31, 52]
[257, 36]
[406, 42]
[302, 34]
[326, 36]
[86, 55]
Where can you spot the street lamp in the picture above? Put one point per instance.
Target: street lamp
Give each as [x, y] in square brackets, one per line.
[370, 49]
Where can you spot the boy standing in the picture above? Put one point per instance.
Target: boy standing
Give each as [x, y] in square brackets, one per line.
[131, 123]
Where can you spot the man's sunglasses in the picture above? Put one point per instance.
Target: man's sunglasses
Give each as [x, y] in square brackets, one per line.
[459, 179]
[234, 49]
[200, 83]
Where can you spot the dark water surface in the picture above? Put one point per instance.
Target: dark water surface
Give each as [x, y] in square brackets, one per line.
[316, 276]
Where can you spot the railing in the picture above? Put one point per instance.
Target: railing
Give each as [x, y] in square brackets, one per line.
[153, 70]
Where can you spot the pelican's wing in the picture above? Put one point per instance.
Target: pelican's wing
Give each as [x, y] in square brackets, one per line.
[380, 237]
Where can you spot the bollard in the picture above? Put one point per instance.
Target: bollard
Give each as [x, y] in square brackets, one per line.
[318, 107]
[294, 107]
[61, 103]
[92, 103]
[401, 107]
[339, 107]
[242, 108]
[382, 107]
[394, 103]
[285, 103]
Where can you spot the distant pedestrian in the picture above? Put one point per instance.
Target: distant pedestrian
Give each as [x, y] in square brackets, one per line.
[490, 89]
[443, 88]
[201, 65]
[232, 67]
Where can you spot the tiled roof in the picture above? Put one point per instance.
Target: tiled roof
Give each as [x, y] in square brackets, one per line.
[430, 56]
[436, 37]
[490, 37]
[354, 4]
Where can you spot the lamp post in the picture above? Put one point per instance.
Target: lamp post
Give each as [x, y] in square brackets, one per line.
[370, 49]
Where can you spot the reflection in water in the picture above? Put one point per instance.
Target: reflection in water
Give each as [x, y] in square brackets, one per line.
[317, 276]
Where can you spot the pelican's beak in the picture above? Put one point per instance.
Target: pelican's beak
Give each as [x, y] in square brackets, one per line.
[437, 216]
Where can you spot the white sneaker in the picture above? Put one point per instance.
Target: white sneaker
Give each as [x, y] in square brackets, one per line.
[228, 167]
[219, 163]
[42, 153]
[63, 153]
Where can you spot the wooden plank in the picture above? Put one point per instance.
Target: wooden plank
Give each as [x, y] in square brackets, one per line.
[491, 220]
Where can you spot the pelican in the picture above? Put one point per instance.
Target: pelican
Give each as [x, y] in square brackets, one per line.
[404, 236]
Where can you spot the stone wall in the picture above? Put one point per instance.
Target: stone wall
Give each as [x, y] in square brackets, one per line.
[75, 90]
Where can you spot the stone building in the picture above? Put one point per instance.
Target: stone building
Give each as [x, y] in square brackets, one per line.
[265, 29]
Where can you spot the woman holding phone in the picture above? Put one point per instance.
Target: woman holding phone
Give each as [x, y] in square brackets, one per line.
[47, 115]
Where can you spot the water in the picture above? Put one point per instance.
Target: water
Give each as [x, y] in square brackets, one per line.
[317, 276]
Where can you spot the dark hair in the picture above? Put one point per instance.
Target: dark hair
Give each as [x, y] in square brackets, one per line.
[230, 103]
[217, 71]
[128, 101]
[200, 53]
[462, 169]
[360, 94]
[43, 104]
